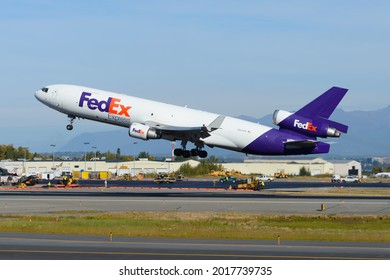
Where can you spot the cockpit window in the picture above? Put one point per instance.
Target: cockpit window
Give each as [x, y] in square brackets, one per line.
[45, 89]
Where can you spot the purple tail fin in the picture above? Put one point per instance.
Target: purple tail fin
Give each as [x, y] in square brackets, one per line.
[324, 105]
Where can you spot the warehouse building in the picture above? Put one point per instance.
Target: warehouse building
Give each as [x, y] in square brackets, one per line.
[45, 168]
[266, 166]
[315, 166]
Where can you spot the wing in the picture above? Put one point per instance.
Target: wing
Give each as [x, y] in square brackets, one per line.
[186, 133]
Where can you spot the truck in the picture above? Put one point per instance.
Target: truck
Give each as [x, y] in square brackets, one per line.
[347, 179]
[264, 178]
[351, 179]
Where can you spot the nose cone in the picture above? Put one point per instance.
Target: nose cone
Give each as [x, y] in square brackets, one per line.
[38, 95]
[42, 94]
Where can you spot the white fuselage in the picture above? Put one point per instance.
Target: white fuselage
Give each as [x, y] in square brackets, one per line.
[123, 110]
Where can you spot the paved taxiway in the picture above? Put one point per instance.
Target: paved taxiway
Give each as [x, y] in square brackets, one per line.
[119, 200]
[26, 246]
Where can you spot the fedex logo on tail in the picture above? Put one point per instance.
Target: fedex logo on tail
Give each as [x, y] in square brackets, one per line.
[306, 126]
[111, 105]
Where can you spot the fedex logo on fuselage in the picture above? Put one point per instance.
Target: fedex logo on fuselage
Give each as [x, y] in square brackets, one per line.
[306, 126]
[111, 105]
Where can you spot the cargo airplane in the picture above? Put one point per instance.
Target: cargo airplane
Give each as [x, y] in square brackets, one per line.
[146, 119]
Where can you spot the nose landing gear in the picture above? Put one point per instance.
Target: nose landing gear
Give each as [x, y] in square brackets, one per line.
[70, 125]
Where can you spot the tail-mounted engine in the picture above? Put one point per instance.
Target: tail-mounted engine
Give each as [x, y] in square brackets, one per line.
[143, 132]
[317, 127]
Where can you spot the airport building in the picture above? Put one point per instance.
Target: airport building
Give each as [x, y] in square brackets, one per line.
[265, 166]
[315, 166]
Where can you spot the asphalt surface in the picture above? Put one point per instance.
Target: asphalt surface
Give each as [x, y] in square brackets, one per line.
[215, 184]
[192, 196]
[26, 246]
[190, 201]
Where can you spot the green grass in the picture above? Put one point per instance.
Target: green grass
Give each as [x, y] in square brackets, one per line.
[206, 225]
[335, 191]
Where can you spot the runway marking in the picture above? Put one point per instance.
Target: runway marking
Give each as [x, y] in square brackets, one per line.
[198, 244]
[154, 254]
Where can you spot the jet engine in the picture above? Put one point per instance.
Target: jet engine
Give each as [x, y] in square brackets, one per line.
[143, 132]
[317, 127]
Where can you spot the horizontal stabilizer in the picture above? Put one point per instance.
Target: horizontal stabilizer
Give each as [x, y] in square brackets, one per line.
[301, 144]
[339, 126]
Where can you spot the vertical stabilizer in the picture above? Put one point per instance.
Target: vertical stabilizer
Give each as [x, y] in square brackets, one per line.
[324, 105]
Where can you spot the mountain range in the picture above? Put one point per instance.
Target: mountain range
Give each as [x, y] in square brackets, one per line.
[368, 135]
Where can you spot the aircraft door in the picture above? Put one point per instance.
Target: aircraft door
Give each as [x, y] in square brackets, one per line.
[57, 102]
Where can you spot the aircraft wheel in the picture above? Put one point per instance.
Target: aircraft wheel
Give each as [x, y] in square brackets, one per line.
[69, 127]
[202, 154]
[194, 152]
[186, 154]
[178, 152]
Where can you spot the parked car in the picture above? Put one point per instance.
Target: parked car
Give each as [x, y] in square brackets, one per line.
[228, 179]
[336, 179]
[181, 177]
[350, 179]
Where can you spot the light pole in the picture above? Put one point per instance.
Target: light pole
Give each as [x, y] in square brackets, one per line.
[52, 169]
[85, 156]
[135, 143]
[24, 160]
[94, 147]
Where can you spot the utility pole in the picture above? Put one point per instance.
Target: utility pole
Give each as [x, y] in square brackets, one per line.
[135, 143]
[85, 156]
[24, 160]
[94, 147]
[52, 169]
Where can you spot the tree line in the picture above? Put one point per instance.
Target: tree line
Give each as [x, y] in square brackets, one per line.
[203, 168]
[10, 152]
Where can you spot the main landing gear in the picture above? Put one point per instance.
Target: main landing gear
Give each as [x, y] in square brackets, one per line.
[70, 125]
[183, 152]
[193, 153]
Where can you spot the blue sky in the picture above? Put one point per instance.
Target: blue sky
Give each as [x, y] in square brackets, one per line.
[228, 57]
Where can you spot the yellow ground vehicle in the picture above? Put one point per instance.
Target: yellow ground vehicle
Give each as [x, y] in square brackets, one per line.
[280, 175]
[164, 178]
[217, 173]
[67, 181]
[234, 173]
[27, 181]
[251, 184]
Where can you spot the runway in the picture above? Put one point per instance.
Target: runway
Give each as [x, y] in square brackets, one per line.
[166, 199]
[114, 200]
[25, 246]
